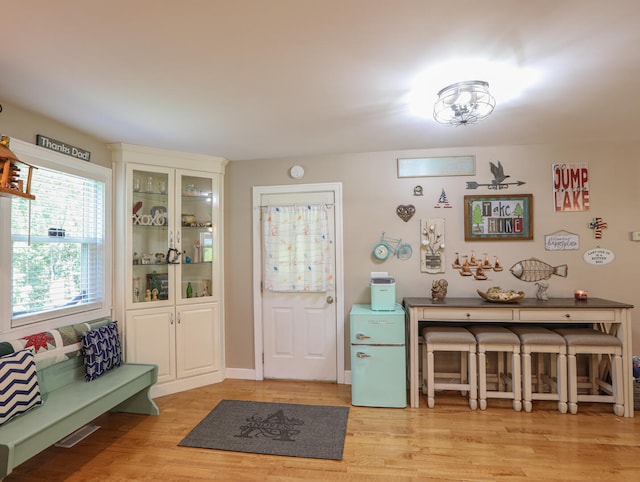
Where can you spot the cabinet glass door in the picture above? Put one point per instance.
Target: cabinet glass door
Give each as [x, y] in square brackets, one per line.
[197, 198]
[151, 236]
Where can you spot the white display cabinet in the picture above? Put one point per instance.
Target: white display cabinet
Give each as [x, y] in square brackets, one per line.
[168, 264]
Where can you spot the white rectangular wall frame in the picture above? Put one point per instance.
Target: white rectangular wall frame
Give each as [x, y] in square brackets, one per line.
[432, 243]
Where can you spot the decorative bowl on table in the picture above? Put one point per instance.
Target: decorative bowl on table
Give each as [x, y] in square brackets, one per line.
[496, 294]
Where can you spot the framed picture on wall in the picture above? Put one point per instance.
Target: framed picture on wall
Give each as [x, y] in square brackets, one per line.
[498, 217]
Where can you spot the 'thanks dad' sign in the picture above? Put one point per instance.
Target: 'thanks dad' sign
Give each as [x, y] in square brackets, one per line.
[63, 148]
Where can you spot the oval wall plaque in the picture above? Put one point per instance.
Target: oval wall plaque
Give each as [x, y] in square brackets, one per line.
[598, 256]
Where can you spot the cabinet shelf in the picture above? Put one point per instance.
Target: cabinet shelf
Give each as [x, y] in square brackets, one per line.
[149, 195]
[146, 265]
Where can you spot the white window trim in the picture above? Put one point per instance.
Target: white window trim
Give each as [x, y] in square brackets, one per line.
[39, 156]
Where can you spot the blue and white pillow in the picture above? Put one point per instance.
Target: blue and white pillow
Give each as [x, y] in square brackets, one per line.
[102, 351]
[19, 389]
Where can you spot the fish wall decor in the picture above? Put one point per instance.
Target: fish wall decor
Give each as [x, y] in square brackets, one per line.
[533, 269]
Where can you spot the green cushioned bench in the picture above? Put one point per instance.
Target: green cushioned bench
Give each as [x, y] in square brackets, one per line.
[69, 403]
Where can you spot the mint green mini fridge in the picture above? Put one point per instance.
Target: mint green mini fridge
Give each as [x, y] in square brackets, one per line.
[378, 357]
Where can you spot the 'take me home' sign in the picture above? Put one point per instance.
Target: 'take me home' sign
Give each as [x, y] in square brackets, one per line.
[63, 148]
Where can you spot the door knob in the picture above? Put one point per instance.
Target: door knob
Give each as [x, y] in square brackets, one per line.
[329, 299]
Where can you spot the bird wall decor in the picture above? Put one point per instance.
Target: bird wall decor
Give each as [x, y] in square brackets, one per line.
[498, 181]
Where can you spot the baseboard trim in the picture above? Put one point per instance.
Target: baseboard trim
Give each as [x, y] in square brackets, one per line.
[241, 373]
[175, 386]
[250, 374]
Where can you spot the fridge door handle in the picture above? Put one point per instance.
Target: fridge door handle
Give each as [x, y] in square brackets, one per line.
[362, 336]
[362, 355]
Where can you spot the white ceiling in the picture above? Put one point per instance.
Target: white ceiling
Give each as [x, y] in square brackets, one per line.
[247, 79]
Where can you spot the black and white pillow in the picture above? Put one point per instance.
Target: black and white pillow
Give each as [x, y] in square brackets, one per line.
[19, 389]
[102, 351]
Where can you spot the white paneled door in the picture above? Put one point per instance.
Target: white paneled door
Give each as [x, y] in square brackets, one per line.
[299, 336]
[299, 329]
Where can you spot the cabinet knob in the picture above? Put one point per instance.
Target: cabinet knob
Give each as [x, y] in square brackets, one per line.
[468, 315]
[567, 315]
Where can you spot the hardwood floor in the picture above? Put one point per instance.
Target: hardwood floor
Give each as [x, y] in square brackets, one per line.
[448, 442]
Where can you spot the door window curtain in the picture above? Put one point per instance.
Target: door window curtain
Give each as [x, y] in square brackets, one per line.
[297, 255]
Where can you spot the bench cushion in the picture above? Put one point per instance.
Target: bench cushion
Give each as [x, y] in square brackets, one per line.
[19, 390]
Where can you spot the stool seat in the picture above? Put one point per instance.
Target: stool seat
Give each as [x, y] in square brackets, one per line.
[449, 339]
[496, 335]
[537, 335]
[588, 336]
[493, 338]
[539, 341]
[605, 352]
[444, 334]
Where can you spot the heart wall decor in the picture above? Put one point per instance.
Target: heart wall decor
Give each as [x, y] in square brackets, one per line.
[406, 212]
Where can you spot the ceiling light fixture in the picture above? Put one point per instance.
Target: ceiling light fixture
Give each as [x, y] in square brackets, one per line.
[464, 103]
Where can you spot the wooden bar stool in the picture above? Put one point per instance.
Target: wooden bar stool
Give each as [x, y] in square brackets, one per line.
[538, 341]
[605, 362]
[449, 339]
[491, 338]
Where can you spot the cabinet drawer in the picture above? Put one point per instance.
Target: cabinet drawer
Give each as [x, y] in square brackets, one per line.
[568, 315]
[430, 314]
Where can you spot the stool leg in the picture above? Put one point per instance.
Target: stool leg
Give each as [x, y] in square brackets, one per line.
[501, 370]
[424, 368]
[473, 382]
[431, 400]
[594, 373]
[464, 375]
[553, 370]
[572, 383]
[517, 383]
[562, 383]
[482, 379]
[526, 382]
[616, 381]
[540, 372]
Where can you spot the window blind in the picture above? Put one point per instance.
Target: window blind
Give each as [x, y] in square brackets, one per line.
[58, 248]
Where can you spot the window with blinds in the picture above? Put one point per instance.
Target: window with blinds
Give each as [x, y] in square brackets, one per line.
[57, 247]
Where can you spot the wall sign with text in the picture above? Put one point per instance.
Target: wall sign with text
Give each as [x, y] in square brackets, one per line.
[63, 147]
[498, 218]
[561, 241]
[571, 187]
[598, 256]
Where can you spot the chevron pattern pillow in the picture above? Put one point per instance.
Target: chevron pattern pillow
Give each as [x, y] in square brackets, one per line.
[19, 390]
[102, 351]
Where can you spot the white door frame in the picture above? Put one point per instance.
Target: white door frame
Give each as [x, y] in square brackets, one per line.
[258, 191]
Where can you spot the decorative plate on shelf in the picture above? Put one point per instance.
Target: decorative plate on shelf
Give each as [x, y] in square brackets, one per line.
[498, 295]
